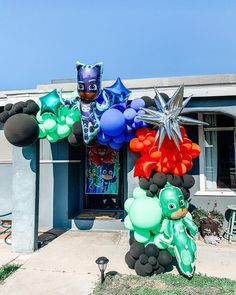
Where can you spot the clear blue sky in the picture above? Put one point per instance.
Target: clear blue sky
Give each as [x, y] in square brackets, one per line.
[42, 40]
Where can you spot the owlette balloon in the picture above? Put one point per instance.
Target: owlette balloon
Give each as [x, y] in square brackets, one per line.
[176, 222]
[89, 89]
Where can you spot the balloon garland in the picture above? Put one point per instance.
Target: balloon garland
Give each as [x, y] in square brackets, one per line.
[157, 212]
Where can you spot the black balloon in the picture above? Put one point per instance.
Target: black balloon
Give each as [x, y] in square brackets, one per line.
[143, 258]
[152, 260]
[130, 261]
[174, 179]
[185, 192]
[4, 116]
[149, 102]
[148, 268]
[136, 249]
[160, 270]
[149, 193]
[144, 183]
[151, 250]
[160, 179]
[164, 257]
[139, 268]
[73, 140]
[31, 107]
[165, 96]
[77, 129]
[12, 112]
[18, 107]
[131, 240]
[188, 181]
[156, 266]
[153, 188]
[21, 130]
[8, 107]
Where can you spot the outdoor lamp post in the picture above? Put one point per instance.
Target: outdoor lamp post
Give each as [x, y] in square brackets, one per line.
[102, 264]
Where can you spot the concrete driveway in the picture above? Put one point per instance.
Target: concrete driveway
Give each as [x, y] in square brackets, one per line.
[67, 265]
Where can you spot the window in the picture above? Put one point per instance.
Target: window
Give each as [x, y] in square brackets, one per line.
[217, 163]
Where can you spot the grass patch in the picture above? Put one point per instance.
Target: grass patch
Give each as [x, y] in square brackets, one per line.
[165, 284]
[7, 270]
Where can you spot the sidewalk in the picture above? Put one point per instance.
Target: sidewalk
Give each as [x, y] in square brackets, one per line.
[67, 265]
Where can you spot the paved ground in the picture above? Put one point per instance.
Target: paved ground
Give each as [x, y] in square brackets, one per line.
[67, 265]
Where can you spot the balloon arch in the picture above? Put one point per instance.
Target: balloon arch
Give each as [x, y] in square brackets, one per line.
[157, 213]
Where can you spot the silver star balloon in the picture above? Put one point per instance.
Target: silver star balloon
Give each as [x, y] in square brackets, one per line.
[167, 116]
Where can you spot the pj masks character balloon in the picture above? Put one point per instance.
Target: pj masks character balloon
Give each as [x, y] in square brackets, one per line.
[89, 88]
[179, 229]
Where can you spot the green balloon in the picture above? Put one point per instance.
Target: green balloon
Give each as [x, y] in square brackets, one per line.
[142, 236]
[138, 192]
[74, 94]
[158, 241]
[52, 137]
[46, 116]
[64, 111]
[128, 223]
[61, 120]
[189, 215]
[157, 229]
[42, 131]
[39, 118]
[63, 130]
[50, 125]
[128, 203]
[50, 102]
[145, 213]
[69, 121]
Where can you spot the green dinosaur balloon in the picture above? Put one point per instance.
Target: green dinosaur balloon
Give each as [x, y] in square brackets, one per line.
[175, 224]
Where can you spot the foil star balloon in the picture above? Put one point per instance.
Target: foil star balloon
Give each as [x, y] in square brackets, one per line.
[167, 116]
[117, 93]
[50, 103]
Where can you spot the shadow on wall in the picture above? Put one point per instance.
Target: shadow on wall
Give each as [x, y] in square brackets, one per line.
[29, 154]
[60, 185]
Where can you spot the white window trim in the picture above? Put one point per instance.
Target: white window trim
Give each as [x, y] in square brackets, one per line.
[202, 179]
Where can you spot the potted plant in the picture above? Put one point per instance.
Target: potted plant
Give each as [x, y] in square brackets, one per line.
[210, 224]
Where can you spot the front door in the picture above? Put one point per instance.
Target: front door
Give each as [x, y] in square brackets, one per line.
[103, 179]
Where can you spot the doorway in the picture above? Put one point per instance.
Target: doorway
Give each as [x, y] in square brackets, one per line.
[103, 182]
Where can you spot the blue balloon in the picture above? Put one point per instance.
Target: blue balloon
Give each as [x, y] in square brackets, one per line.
[138, 123]
[144, 124]
[102, 143]
[115, 146]
[129, 136]
[119, 138]
[129, 114]
[128, 129]
[112, 122]
[102, 137]
[141, 112]
[137, 103]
